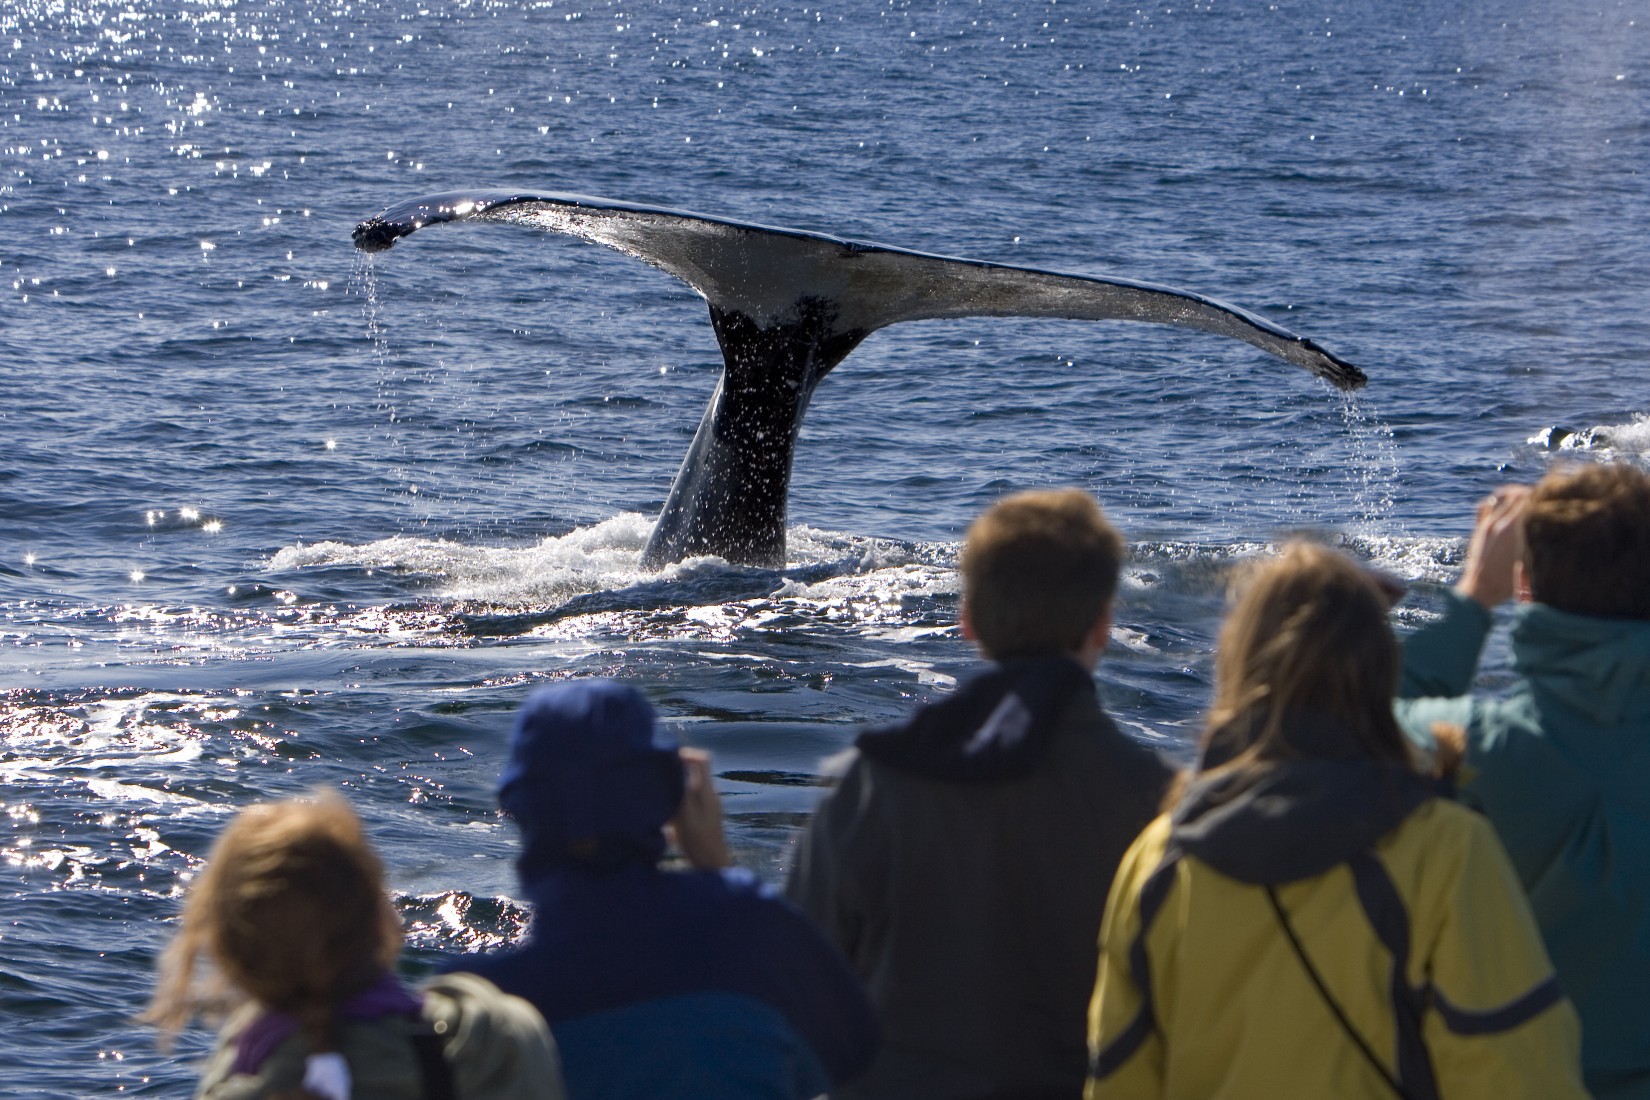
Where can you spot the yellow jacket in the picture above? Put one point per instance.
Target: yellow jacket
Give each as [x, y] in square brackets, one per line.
[1209, 1000]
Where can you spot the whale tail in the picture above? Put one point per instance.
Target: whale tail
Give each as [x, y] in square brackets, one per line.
[788, 306]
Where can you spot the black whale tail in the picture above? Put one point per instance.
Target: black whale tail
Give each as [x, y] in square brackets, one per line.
[787, 306]
[377, 235]
[730, 495]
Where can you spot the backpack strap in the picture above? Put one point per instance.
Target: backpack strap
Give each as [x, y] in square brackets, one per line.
[1385, 911]
[437, 1075]
[1335, 1008]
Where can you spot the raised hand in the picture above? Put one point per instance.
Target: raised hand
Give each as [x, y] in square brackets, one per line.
[1497, 547]
[698, 822]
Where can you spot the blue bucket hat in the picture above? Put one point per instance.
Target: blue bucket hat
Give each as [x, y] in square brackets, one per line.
[591, 780]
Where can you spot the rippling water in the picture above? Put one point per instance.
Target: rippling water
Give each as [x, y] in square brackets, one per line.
[273, 515]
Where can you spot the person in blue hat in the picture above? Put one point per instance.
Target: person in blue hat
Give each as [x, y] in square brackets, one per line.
[658, 982]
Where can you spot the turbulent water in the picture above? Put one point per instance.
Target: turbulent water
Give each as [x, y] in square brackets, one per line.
[273, 516]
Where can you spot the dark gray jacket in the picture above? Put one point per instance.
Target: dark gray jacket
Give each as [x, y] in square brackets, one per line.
[971, 907]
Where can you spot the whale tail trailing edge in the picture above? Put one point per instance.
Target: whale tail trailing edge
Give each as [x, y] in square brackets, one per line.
[788, 306]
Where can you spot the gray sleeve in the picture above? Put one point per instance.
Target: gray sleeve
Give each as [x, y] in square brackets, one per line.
[835, 879]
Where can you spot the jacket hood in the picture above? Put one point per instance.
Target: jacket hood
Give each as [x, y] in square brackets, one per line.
[997, 726]
[1293, 819]
[1599, 668]
[590, 780]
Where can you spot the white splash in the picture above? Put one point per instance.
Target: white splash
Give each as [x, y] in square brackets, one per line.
[598, 558]
[1374, 463]
[1608, 441]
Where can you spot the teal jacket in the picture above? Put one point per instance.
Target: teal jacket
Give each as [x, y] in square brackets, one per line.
[1561, 766]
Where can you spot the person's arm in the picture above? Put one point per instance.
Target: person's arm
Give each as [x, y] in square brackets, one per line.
[798, 971]
[1441, 658]
[1490, 574]
[1499, 1025]
[1127, 1054]
[833, 876]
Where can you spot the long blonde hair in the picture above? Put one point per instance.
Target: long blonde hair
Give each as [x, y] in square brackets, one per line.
[1307, 638]
[290, 911]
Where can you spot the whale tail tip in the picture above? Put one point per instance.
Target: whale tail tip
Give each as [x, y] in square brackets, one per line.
[377, 235]
[1328, 366]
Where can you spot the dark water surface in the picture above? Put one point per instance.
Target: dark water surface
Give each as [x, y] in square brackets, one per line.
[272, 516]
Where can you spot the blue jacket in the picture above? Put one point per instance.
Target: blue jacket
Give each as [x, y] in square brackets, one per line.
[1561, 767]
[685, 983]
[657, 983]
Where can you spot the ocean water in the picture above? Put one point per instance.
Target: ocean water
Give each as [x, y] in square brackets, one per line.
[274, 515]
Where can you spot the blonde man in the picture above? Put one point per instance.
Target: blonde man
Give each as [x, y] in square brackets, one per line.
[962, 861]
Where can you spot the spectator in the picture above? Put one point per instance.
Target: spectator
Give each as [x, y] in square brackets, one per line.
[963, 859]
[1315, 918]
[1559, 763]
[659, 983]
[291, 913]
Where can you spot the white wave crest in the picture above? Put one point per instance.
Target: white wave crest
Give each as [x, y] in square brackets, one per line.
[1630, 438]
[1609, 441]
[1412, 558]
[603, 556]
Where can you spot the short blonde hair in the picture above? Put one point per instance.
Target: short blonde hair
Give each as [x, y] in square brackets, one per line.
[1039, 569]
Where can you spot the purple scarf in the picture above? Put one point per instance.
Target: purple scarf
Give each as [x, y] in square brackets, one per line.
[385, 997]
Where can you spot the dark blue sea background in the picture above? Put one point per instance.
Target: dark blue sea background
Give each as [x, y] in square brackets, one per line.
[274, 516]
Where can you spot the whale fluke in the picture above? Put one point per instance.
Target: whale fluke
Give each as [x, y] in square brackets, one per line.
[789, 305]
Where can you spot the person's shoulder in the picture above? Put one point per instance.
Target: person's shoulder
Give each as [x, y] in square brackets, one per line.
[1093, 725]
[1152, 850]
[217, 1081]
[725, 897]
[475, 1018]
[497, 1043]
[238, 1020]
[1440, 833]
[751, 909]
[1444, 819]
[461, 988]
[459, 1003]
[846, 769]
[1153, 841]
[857, 784]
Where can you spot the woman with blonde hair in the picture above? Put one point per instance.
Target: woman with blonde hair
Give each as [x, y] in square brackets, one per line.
[1314, 916]
[292, 916]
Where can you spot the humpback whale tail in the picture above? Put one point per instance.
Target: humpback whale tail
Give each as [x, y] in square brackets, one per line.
[787, 306]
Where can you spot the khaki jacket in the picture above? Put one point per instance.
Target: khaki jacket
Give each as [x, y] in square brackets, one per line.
[497, 1046]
